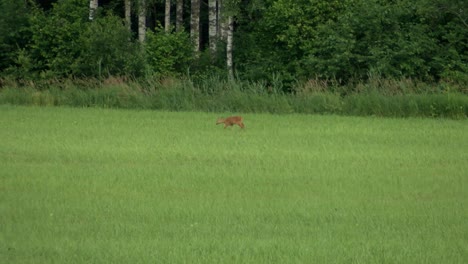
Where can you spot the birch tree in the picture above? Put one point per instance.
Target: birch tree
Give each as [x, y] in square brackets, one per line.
[167, 16]
[128, 14]
[142, 20]
[180, 15]
[93, 5]
[229, 46]
[213, 26]
[229, 9]
[195, 24]
[222, 25]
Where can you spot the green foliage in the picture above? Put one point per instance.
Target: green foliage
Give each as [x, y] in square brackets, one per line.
[105, 49]
[65, 43]
[168, 53]
[55, 45]
[429, 105]
[448, 20]
[276, 43]
[14, 33]
[317, 103]
[381, 38]
[269, 46]
[218, 95]
[352, 40]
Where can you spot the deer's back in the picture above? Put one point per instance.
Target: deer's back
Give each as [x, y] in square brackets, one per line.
[234, 119]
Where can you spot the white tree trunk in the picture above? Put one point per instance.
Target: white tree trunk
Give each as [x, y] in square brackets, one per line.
[128, 14]
[195, 25]
[142, 21]
[229, 47]
[180, 15]
[222, 23]
[213, 25]
[167, 16]
[93, 5]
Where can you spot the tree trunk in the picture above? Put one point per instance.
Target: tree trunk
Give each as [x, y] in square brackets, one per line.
[213, 25]
[229, 47]
[142, 21]
[93, 5]
[222, 25]
[195, 25]
[128, 14]
[167, 16]
[180, 15]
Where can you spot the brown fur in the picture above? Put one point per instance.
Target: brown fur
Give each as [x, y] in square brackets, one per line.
[230, 121]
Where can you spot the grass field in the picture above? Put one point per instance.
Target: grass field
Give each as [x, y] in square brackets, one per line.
[121, 186]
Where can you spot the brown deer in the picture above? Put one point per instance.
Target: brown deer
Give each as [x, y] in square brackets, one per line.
[230, 121]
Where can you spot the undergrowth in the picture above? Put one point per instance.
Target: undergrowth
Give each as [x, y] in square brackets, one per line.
[376, 97]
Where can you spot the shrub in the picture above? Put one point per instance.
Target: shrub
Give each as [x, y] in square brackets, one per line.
[168, 53]
[106, 50]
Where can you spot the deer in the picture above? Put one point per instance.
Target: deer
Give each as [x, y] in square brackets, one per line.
[230, 121]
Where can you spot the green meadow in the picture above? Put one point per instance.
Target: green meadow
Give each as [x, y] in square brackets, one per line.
[91, 185]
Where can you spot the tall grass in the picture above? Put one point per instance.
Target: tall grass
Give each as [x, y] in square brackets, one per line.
[103, 185]
[388, 98]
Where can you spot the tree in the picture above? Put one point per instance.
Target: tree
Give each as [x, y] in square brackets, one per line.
[167, 16]
[213, 26]
[168, 54]
[221, 25]
[128, 14]
[142, 20]
[344, 40]
[268, 46]
[105, 50]
[55, 49]
[229, 47]
[230, 8]
[180, 15]
[14, 33]
[195, 24]
[93, 5]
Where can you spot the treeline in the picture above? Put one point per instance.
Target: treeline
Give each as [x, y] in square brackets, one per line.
[272, 40]
[47, 39]
[357, 39]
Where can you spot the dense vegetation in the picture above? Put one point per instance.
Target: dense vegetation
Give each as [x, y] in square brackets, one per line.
[218, 95]
[286, 46]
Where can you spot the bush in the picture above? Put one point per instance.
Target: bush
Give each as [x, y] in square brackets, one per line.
[14, 33]
[55, 43]
[106, 50]
[168, 53]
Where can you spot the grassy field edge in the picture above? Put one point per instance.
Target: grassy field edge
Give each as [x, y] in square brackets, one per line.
[123, 186]
[220, 96]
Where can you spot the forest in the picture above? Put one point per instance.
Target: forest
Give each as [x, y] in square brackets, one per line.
[394, 47]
